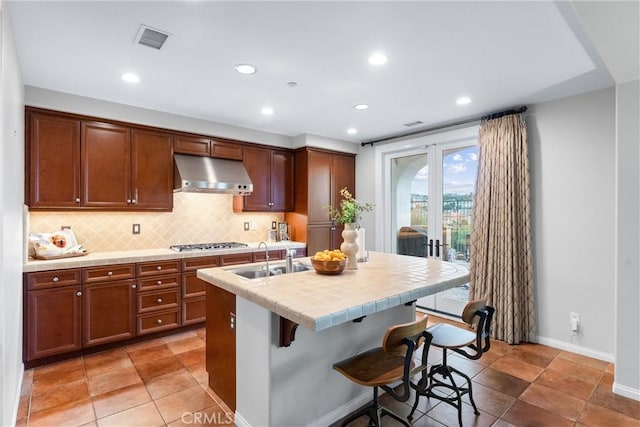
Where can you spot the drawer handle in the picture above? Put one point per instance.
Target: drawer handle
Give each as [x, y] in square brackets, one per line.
[159, 321]
[159, 268]
[109, 273]
[159, 300]
[79, 293]
[55, 279]
[159, 282]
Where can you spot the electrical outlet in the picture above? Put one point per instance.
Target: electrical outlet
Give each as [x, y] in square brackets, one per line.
[65, 227]
[273, 225]
[135, 229]
[253, 226]
[246, 226]
[574, 321]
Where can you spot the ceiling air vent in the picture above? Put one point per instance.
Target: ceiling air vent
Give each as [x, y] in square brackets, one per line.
[416, 123]
[151, 37]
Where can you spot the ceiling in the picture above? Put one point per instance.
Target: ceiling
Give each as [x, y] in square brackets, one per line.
[499, 54]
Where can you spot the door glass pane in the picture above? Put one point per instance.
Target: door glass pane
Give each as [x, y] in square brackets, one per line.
[459, 167]
[410, 209]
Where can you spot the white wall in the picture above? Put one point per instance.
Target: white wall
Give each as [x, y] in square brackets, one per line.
[572, 154]
[627, 372]
[11, 234]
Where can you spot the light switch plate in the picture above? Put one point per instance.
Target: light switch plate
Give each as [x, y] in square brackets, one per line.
[136, 229]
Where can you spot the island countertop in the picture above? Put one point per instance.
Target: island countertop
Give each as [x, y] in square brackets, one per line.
[319, 302]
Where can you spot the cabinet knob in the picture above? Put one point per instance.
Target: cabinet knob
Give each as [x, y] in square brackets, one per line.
[79, 293]
[159, 300]
[109, 273]
[159, 267]
[159, 282]
[159, 321]
[129, 201]
[55, 279]
[77, 199]
[133, 201]
[134, 286]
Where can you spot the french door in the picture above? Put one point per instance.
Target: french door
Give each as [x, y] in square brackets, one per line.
[430, 190]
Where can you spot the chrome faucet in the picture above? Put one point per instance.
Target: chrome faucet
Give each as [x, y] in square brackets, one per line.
[289, 265]
[266, 256]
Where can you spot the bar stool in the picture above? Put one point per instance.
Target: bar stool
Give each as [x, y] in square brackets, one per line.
[447, 337]
[388, 364]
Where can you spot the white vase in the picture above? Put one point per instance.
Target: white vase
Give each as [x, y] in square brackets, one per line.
[349, 247]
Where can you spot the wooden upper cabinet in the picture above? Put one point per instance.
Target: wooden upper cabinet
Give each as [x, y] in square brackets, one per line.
[271, 172]
[320, 190]
[204, 146]
[54, 162]
[192, 145]
[106, 165]
[151, 169]
[225, 149]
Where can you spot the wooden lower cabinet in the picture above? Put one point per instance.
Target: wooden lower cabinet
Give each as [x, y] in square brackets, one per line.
[108, 312]
[54, 321]
[194, 290]
[158, 321]
[221, 344]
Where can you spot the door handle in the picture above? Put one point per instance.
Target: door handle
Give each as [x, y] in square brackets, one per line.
[437, 248]
[430, 246]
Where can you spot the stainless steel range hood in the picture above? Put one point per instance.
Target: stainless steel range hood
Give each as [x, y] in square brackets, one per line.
[210, 175]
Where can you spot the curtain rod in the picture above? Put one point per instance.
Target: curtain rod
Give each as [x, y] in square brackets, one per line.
[462, 122]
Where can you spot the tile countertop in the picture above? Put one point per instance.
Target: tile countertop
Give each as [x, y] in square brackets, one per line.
[319, 301]
[143, 255]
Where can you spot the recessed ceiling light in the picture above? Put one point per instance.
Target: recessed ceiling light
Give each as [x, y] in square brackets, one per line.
[378, 59]
[245, 69]
[292, 84]
[130, 77]
[267, 111]
[352, 131]
[463, 101]
[360, 107]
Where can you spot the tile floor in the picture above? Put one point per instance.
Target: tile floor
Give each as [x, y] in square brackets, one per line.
[156, 382]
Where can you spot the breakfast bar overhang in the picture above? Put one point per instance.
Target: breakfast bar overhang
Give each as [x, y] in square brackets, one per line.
[339, 316]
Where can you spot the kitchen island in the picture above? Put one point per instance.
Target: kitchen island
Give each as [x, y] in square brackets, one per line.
[276, 385]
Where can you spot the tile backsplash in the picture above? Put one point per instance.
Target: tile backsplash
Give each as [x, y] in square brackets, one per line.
[196, 218]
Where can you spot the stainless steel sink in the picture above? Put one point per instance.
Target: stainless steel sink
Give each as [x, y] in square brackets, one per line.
[274, 270]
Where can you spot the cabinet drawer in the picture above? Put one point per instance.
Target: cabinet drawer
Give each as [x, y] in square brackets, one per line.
[158, 300]
[157, 267]
[194, 310]
[108, 272]
[192, 264]
[158, 321]
[54, 278]
[159, 282]
[192, 286]
[231, 259]
[273, 255]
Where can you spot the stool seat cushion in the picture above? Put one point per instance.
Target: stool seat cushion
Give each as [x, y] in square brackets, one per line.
[448, 336]
[374, 367]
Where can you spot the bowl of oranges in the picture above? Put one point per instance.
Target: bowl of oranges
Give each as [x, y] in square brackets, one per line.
[329, 262]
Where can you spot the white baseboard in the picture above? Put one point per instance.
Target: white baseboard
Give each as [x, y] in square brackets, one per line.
[16, 406]
[328, 419]
[342, 411]
[625, 391]
[585, 351]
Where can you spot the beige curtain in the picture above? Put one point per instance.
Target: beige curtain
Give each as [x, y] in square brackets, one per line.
[501, 261]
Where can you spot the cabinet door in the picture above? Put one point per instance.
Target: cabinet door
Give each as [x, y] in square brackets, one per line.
[344, 175]
[320, 237]
[320, 190]
[226, 149]
[54, 162]
[106, 165]
[221, 344]
[151, 170]
[53, 321]
[192, 145]
[257, 162]
[109, 312]
[281, 181]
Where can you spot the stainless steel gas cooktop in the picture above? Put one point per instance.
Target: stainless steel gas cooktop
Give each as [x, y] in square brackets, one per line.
[207, 246]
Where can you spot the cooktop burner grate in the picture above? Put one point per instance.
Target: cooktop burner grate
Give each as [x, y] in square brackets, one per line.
[207, 246]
